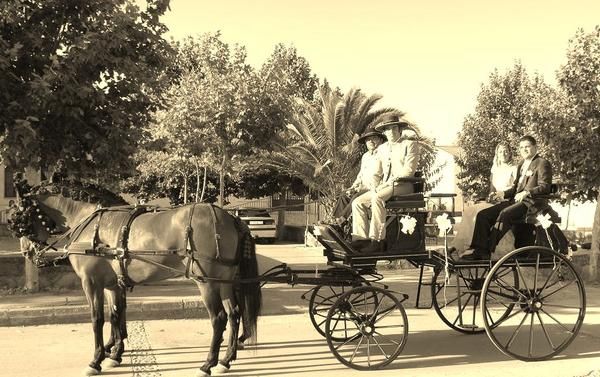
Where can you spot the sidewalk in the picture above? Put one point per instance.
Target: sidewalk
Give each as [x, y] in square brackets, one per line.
[180, 298]
[168, 299]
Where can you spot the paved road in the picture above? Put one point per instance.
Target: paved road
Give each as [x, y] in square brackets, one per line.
[288, 344]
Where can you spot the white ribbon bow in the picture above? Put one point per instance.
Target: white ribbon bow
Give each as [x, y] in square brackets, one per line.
[408, 224]
[443, 222]
[544, 220]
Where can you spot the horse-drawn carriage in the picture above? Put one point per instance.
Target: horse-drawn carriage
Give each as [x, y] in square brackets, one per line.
[531, 302]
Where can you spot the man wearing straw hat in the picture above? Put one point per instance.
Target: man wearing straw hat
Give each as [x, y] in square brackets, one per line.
[398, 158]
[368, 178]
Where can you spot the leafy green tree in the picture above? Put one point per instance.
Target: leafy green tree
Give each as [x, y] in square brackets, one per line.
[78, 79]
[222, 106]
[320, 145]
[508, 106]
[575, 138]
[287, 77]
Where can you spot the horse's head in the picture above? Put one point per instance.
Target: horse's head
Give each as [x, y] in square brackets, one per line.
[30, 224]
[27, 220]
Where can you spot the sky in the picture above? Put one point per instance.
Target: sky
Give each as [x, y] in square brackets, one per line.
[427, 58]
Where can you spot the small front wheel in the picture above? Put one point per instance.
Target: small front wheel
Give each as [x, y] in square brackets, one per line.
[378, 325]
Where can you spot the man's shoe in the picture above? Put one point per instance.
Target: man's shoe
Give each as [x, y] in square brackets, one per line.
[374, 247]
[359, 244]
[476, 254]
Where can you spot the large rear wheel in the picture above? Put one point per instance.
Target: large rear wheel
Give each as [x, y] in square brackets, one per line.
[548, 307]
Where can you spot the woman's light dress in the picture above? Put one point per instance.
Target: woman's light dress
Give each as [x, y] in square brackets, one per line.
[502, 179]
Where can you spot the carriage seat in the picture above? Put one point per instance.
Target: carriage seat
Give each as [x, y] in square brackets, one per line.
[547, 209]
[527, 232]
[408, 201]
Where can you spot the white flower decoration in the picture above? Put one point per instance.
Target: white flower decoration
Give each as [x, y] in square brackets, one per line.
[544, 220]
[443, 222]
[408, 224]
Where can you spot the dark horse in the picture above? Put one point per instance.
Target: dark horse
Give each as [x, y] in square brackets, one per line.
[115, 247]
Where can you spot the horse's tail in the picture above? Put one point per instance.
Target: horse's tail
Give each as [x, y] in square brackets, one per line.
[250, 294]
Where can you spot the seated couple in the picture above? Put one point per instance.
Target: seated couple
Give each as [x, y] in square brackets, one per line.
[514, 194]
[388, 157]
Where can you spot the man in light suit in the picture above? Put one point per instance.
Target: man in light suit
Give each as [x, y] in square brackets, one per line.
[534, 178]
[398, 158]
[368, 178]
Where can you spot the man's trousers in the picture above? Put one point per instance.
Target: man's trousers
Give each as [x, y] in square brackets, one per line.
[374, 229]
[492, 224]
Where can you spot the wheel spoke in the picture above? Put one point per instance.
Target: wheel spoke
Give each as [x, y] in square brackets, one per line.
[375, 312]
[475, 302]
[555, 320]
[513, 289]
[356, 349]
[381, 349]
[447, 304]
[504, 296]
[554, 270]
[531, 336]
[460, 311]
[557, 290]
[545, 331]
[327, 298]
[514, 335]
[386, 338]
[384, 314]
[502, 320]
[537, 267]
[521, 275]
[562, 306]
[351, 339]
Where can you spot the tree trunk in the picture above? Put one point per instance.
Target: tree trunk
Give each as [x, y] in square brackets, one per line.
[595, 252]
[185, 189]
[203, 185]
[197, 182]
[222, 180]
[281, 214]
[32, 276]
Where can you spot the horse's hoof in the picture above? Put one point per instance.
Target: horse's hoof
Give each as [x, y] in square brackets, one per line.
[201, 373]
[110, 363]
[240, 346]
[89, 371]
[221, 368]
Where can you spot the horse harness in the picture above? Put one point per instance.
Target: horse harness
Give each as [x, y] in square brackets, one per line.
[123, 255]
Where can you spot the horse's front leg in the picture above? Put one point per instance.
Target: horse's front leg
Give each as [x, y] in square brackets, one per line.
[115, 346]
[95, 298]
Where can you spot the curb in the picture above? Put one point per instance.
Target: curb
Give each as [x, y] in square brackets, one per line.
[177, 309]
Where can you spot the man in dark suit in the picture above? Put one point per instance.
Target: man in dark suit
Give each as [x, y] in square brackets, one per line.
[534, 178]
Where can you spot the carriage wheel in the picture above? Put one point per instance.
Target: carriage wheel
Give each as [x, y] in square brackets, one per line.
[548, 307]
[457, 302]
[321, 300]
[379, 328]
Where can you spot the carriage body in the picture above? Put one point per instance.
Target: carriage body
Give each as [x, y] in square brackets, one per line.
[532, 299]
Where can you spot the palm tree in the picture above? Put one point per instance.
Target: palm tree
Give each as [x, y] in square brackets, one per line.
[320, 146]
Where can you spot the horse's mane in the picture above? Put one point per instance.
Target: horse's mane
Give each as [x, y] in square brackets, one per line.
[27, 210]
[79, 191]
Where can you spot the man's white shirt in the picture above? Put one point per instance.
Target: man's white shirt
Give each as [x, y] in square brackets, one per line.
[370, 173]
